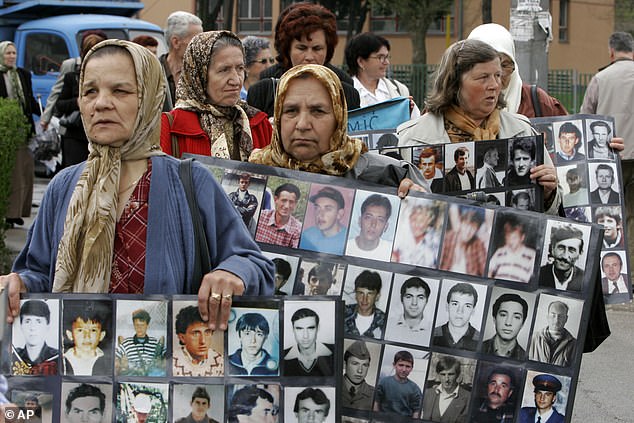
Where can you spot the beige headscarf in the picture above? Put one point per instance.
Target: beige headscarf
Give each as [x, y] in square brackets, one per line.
[227, 126]
[344, 151]
[84, 257]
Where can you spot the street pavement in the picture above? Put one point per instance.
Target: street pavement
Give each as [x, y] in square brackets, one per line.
[605, 390]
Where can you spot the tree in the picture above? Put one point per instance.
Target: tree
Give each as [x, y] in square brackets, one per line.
[208, 11]
[355, 11]
[416, 16]
[624, 15]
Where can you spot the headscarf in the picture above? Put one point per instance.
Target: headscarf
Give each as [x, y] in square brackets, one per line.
[227, 126]
[344, 151]
[14, 79]
[84, 257]
[500, 39]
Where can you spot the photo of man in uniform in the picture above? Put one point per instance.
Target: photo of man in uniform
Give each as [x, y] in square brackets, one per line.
[200, 405]
[509, 314]
[193, 353]
[357, 392]
[141, 354]
[447, 401]
[545, 392]
[36, 357]
[328, 235]
[363, 317]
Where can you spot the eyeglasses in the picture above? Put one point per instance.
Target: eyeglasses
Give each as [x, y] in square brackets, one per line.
[271, 60]
[383, 58]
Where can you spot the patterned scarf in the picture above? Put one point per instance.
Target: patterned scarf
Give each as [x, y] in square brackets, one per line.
[464, 125]
[14, 79]
[84, 258]
[344, 151]
[227, 126]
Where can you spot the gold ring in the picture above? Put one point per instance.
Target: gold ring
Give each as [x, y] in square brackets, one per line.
[215, 296]
[228, 297]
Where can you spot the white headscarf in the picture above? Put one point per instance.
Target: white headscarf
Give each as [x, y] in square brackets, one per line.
[500, 39]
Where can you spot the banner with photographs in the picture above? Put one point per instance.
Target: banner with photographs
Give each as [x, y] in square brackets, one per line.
[495, 172]
[431, 285]
[397, 302]
[105, 358]
[589, 172]
[376, 124]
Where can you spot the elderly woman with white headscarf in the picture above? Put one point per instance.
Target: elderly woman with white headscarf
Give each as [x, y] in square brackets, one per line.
[518, 96]
[15, 83]
[120, 222]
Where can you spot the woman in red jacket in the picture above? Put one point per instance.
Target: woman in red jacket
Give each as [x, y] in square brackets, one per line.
[209, 118]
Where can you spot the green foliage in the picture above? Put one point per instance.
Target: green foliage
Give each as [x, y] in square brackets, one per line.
[416, 16]
[14, 129]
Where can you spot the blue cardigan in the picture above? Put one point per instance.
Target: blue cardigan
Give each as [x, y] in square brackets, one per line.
[169, 259]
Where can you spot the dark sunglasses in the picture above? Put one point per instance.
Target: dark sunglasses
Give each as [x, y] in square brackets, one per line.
[271, 60]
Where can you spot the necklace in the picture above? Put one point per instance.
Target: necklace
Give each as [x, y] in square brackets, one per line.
[132, 184]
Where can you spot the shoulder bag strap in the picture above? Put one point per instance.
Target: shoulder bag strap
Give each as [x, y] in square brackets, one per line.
[175, 149]
[398, 89]
[202, 263]
[535, 98]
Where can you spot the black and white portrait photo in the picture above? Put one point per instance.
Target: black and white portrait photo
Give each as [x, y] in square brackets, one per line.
[569, 144]
[600, 134]
[313, 404]
[459, 167]
[285, 272]
[309, 338]
[574, 180]
[411, 311]
[86, 402]
[35, 342]
[360, 369]
[491, 164]
[604, 183]
[257, 403]
[554, 337]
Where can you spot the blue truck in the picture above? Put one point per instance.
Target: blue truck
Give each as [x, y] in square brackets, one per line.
[46, 32]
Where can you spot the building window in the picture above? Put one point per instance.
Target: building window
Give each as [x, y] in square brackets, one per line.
[386, 21]
[254, 16]
[563, 20]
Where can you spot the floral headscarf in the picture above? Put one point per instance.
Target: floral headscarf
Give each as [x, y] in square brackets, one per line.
[84, 257]
[344, 151]
[16, 86]
[227, 126]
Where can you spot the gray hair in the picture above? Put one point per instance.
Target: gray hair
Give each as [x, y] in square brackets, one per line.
[178, 24]
[252, 47]
[622, 41]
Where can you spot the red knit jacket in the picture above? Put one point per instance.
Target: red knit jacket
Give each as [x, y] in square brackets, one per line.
[192, 138]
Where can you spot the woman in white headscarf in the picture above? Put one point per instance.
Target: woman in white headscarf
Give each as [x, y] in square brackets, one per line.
[15, 83]
[518, 96]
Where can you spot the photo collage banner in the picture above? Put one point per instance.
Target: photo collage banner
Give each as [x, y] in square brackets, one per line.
[589, 172]
[383, 305]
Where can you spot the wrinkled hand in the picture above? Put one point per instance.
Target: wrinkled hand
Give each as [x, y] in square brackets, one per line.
[546, 176]
[14, 286]
[406, 185]
[617, 143]
[215, 297]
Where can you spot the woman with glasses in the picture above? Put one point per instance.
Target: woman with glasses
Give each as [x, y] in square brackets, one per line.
[368, 58]
[257, 57]
[518, 96]
[305, 33]
[209, 118]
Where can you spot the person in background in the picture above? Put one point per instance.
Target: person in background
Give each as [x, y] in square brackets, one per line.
[257, 57]
[319, 143]
[181, 28]
[466, 104]
[305, 33]
[518, 96]
[368, 58]
[147, 41]
[129, 186]
[15, 83]
[74, 141]
[209, 118]
[70, 64]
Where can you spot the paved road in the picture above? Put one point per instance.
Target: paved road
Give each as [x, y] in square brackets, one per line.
[605, 392]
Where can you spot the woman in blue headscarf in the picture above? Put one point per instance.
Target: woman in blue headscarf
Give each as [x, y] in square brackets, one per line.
[16, 83]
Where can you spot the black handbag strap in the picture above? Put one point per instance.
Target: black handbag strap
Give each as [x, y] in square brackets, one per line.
[202, 263]
[535, 98]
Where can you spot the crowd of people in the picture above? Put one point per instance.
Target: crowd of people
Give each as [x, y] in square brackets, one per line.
[116, 219]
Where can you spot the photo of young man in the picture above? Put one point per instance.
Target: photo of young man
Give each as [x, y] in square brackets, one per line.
[198, 403]
[253, 342]
[282, 225]
[360, 366]
[35, 338]
[364, 313]
[446, 400]
[310, 405]
[86, 402]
